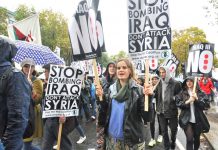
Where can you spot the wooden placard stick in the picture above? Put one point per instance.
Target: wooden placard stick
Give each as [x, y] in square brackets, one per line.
[195, 83]
[146, 83]
[59, 136]
[96, 76]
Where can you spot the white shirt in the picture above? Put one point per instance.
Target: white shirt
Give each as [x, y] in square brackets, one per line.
[192, 109]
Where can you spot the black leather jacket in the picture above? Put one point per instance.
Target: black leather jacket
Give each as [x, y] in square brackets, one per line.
[102, 108]
[199, 106]
[168, 107]
[133, 128]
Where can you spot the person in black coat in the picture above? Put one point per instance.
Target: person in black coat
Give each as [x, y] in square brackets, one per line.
[109, 77]
[166, 107]
[15, 95]
[124, 125]
[192, 103]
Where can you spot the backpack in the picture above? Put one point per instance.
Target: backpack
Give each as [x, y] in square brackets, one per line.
[3, 110]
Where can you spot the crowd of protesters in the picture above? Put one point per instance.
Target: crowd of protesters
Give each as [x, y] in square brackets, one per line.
[120, 116]
[22, 98]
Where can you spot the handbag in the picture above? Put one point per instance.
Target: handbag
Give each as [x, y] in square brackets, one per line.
[204, 122]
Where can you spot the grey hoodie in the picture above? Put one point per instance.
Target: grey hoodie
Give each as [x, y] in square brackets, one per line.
[165, 81]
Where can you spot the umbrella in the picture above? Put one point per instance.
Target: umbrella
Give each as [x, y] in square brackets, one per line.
[40, 54]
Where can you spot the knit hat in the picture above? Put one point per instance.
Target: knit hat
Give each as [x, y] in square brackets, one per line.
[28, 61]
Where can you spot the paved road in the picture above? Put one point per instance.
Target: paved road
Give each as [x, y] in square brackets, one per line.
[90, 132]
[90, 142]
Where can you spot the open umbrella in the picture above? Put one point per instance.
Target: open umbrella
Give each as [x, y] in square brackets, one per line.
[40, 54]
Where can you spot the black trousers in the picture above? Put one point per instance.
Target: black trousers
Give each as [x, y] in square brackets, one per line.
[152, 123]
[173, 124]
[192, 136]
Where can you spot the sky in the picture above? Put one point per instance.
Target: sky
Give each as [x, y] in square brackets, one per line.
[183, 14]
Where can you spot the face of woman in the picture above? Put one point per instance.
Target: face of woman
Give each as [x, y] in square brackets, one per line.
[189, 83]
[111, 69]
[26, 69]
[123, 71]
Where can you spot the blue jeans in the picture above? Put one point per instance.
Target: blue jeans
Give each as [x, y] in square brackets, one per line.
[1, 146]
[93, 106]
[29, 146]
[80, 130]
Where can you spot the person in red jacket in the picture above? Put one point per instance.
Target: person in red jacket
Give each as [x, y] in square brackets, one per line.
[206, 86]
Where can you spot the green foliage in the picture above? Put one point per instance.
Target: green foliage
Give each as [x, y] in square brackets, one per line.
[211, 12]
[54, 29]
[3, 21]
[23, 12]
[104, 59]
[182, 39]
[215, 61]
[54, 32]
[121, 54]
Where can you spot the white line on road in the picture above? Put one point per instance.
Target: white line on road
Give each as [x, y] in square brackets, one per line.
[178, 143]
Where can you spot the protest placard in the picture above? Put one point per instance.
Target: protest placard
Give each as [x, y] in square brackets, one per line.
[86, 32]
[200, 59]
[63, 90]
[149, 29]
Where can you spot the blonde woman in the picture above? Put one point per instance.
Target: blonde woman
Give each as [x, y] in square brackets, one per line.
[124, 128]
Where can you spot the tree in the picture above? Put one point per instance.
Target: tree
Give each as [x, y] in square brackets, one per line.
[3, 21]
[23, 12]
[104, 59]
[54, 29]
[54, 32]
[211, 12]
[121, 54]
[212, 16]
[182, 39]
[215, 61]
